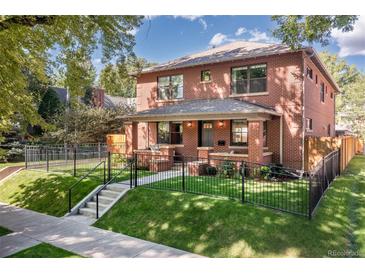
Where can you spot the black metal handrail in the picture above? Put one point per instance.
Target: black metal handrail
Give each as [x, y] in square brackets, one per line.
[108, 183]
[80, 180]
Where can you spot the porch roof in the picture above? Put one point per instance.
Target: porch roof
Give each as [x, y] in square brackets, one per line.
[207, 109]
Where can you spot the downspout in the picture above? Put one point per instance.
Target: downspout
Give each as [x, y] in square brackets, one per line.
[281, 139]
[303, 108]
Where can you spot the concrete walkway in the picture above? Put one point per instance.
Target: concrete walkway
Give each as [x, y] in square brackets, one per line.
[79, 238]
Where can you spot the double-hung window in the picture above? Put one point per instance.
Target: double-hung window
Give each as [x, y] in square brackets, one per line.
[249, 79]
[169, 132]
[170, 87]
[239, 132]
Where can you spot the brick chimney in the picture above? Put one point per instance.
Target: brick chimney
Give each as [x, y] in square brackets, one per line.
[98, 97]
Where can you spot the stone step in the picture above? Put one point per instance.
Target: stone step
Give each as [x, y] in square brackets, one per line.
[116, 187]
[103, 199]
[88, 212]
[109, 193]
[93, 205]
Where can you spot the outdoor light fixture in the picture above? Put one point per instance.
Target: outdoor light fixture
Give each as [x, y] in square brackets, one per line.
[190, 124]
[220, 123]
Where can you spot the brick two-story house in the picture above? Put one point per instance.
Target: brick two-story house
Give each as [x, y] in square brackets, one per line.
[244, 100]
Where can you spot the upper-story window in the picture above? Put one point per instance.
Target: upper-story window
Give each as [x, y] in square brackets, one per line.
[316, 79]
[249, 79]
[170, 87]
[321, 92]
[309, 73]
[205, 76]
[308, 124]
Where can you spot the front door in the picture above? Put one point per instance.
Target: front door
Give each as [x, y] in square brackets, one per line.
[207, 134]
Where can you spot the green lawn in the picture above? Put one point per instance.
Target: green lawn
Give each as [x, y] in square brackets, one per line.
[224, 228]
[44, 251]
[4, 231]
[286, 195]
[44, 192]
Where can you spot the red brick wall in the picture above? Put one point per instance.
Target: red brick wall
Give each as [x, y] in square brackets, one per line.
[284, 86]
[255, 146]
[322, 114]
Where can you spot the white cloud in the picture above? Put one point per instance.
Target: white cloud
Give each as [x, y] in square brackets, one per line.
[133, 31]
[203, 23]
[188, 17]
[258, 36]
[240, 31]
[218, 39]
[351, 43]
[193, 18]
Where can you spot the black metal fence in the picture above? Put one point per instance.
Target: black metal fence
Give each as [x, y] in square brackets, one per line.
[272, 186]
[263, 185]
[322, 177]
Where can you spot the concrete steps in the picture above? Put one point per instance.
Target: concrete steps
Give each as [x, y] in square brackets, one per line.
[107, 198]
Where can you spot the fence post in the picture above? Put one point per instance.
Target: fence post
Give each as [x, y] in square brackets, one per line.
[75, 160]
[109, 165]
[99, 151]
[131, 174]
[47, 160]
[26, 156]
[97, 205]
[310, 198]
[104, 174]
[135, 170]
[69, 200]
[183, 174]
[243, 182]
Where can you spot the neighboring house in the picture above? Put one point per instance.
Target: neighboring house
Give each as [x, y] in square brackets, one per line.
[99, 98]
[342, 130]
[255, 100]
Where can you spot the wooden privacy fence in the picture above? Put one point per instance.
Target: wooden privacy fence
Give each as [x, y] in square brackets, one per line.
[116, 143]
[315, 148]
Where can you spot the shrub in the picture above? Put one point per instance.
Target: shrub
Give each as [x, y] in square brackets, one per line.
[265, 172]
[226, 169]
[15, 155]
[3, 155]
[211, 170]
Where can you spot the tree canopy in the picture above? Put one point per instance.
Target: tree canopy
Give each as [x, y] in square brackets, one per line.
[295, 30]
[350, 102]
[117, 79]
[42, 45]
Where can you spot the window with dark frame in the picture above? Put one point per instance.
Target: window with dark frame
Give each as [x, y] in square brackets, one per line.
[321, 93]
[329, 130]
[169, 133]
[249, 79]
[170, 87]
[176, 133]
[205, 76]
[331, 95]
[239, 133]
[308, 124]
[309, 73]
[316, 79]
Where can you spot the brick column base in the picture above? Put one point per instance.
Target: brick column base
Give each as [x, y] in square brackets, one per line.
[255, 141]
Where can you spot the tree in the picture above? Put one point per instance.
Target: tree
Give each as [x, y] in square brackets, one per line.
[117, 79]
[50, 106]
[295, 30]
[87, 124]
[41, 44]
[350, 102]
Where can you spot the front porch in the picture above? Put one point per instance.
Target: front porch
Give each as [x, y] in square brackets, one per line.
[214, 129]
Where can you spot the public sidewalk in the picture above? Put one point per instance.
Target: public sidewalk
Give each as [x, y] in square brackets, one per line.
[79, 238]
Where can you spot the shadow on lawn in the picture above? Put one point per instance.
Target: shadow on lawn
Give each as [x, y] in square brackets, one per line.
[48, 192]
[223, 228]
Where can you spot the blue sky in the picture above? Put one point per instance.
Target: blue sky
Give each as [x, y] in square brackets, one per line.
[162, 38]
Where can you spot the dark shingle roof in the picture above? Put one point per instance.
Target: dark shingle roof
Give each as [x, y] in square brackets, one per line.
[227, 52]
[206, 107]
[114, 101]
